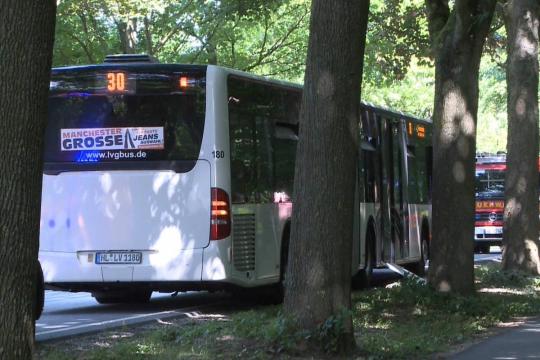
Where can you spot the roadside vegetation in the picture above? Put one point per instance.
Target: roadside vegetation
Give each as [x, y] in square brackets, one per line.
[401, 321]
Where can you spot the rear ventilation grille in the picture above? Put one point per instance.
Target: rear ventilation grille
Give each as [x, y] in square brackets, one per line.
[130, 58]
[244, 242]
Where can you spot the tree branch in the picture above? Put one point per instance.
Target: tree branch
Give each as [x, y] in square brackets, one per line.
[83, 46]
[278, 44]
[438, 13]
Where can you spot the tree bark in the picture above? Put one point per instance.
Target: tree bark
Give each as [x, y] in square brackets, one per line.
[148, 37]
[319, 270]
[212, 52]
[457, 37]
[26, 39]
[521, 223]
[127, 31]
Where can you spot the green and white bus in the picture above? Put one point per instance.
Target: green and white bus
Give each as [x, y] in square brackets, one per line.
[164, 177]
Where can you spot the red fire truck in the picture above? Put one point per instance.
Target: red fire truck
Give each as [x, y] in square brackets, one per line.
[488, 230]
[489, 189]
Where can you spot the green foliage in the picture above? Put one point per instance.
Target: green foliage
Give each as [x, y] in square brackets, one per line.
[413, 94]
[283, 332]
[412, 321]
[82, 34]
[329, 334]
[493, 276]
[492, 115]
[270, 38]
[397, 34]
[266, 37]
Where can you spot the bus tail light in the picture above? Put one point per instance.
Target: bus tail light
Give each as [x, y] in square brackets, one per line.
[220, 221]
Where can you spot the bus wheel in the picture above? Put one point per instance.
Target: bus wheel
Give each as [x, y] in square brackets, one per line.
[40, 293]
[279, 295]
[364, 277]
[481, 249]
[278, 290]
[123, 297]
[419, 267]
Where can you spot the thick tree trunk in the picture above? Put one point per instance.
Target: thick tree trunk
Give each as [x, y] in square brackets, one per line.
[148, 37]
[26, 37]
[521, 224]
[127, 31]
[458, 37]
[319, 271]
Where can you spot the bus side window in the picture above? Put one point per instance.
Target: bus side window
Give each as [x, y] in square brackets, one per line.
[429, 170]
[285, 141]
[242, 156]
[422, 176]
[264, 159]
[262, 162]
[368, 160]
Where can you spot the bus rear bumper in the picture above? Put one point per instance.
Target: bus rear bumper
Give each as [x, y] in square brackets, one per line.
[80, 267]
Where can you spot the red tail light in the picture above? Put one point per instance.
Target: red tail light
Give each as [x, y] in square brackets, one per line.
[220, 221]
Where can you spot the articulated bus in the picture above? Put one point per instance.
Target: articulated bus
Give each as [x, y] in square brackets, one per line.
[162, 177]
[489, 194]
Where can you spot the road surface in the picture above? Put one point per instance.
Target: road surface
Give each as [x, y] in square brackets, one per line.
[66, 314]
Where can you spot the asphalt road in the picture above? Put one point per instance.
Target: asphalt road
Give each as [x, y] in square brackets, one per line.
[515, 343]
[494, 255]
[67, 314]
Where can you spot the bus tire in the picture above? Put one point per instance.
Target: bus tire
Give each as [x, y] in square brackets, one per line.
[278, 293]
[40, 293]
[123, 297]
[364, 277]
[482, 249]
[419, 267]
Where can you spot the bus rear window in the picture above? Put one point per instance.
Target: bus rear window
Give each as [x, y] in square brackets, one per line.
[152, 122]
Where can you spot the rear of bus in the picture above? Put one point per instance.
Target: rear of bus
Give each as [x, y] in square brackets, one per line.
[127, 185]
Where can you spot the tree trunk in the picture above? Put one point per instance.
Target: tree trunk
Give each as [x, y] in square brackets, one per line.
[148, 37]
[319, 270]
[127, 31]
[458, 36]
[26, 39]
[211, 49]
[521, 185]
[131, 32]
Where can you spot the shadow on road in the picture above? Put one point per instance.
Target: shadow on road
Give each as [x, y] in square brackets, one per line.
[161, 303]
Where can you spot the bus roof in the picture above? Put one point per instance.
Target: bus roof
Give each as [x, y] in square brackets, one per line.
[118, 62]
[392, 113]
[127, 66]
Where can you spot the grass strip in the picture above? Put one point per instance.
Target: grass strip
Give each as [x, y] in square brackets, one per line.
[404, 321]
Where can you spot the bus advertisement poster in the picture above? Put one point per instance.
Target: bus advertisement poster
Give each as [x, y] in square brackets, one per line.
[112, 138]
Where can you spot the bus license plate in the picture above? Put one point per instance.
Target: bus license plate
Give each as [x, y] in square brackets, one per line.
[119, 257]
[491, 231]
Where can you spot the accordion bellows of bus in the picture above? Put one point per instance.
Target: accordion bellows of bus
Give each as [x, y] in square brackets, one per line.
[165, 177]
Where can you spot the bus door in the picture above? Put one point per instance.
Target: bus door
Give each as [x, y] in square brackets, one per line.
[393, 203]
[401, 186]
